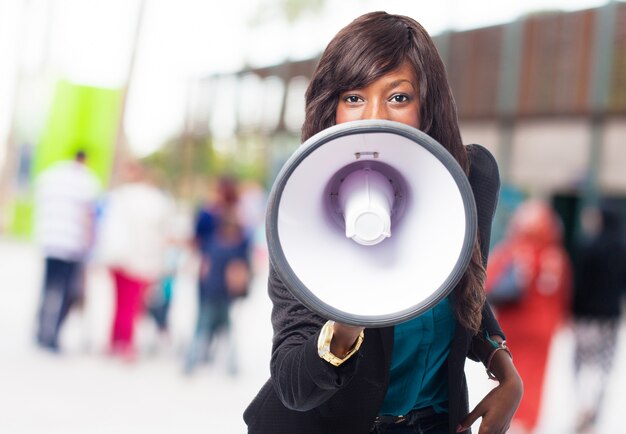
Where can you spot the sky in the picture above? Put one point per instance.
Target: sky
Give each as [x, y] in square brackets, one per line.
[91, 42]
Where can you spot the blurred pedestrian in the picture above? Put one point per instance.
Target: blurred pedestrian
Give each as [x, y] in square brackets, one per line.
[528, 282]
[252, 204]
[132, 243]
[223, 244]
[161, 294]
[65, 200]
[600, 278]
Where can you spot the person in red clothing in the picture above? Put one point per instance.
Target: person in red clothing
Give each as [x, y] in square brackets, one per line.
[133, 241]
[528, 283]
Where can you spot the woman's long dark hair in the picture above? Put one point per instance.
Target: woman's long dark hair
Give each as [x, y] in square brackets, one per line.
[368, 48]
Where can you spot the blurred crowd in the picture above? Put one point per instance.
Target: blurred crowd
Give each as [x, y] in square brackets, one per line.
[537, 287]
[144, 238]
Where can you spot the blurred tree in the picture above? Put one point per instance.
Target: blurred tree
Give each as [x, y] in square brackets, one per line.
[184, 165]
[291, 10]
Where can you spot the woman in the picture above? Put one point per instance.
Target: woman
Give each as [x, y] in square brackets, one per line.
[385, 66]
[532, 259]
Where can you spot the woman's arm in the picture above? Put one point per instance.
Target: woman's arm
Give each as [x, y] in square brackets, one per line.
[484, 179]
[498, 407]
[301, 378]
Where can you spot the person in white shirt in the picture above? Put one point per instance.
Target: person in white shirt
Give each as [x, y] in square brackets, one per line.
[65, 198]
[133, 242]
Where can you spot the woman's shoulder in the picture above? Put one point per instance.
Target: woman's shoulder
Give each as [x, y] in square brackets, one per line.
[482, 161]
[484, 179]
[483, 173]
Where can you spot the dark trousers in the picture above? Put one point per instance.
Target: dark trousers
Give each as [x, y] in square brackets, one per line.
[213, 317]
[159, 303]
[61, 288]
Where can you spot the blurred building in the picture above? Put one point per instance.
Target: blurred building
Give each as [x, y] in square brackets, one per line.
[545, 93]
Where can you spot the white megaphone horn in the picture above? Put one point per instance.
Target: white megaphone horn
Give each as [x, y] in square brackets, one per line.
[371, 223]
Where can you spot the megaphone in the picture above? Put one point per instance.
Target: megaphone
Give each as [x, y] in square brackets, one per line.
[370, 223]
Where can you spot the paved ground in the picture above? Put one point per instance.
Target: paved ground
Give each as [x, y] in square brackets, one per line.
[84, 391]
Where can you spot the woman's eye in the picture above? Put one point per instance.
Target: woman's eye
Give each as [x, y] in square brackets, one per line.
[352, 99]
[399, 98]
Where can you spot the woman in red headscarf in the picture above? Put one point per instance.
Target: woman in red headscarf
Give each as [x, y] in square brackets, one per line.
[528, 282]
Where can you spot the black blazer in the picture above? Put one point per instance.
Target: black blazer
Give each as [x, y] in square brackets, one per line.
[306, 394]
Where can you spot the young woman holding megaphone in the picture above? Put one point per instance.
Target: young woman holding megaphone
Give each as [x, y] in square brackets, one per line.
[334, 372]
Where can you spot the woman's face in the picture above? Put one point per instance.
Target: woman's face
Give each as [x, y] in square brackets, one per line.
[394, 97]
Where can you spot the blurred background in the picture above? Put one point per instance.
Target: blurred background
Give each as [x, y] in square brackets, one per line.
[159, 115]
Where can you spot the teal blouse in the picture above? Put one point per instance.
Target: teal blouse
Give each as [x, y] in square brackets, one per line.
[418, 369]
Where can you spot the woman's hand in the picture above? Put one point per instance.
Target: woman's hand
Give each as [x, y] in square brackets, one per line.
[499, 406]
[344, 337]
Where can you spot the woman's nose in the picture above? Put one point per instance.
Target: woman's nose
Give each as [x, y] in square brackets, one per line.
[375, 110]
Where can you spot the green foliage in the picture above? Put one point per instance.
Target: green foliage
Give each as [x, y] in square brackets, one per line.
[183, 166]
[293, 9]
[290, 10]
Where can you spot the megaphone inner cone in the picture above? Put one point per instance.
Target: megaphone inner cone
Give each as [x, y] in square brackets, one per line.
[366, 197]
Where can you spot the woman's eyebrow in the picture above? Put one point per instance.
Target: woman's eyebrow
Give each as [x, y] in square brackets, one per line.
[398, 82]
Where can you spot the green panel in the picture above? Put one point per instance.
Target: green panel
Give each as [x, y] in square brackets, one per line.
[21, 221]
[81, 117]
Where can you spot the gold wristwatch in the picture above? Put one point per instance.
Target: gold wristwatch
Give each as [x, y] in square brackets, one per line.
[323, 345]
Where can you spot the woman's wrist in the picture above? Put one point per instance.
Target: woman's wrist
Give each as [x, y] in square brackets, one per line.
[338, 354]
[502, 368]
[498, 347]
